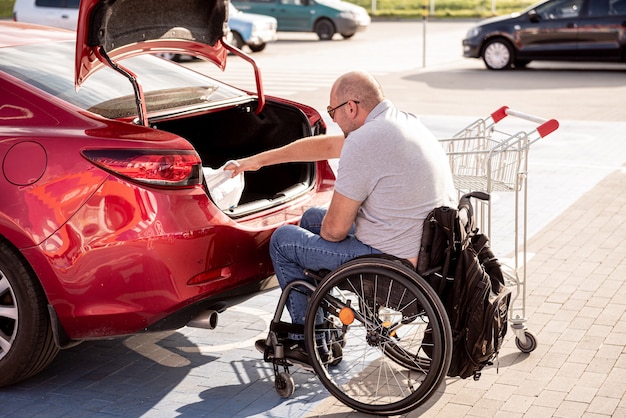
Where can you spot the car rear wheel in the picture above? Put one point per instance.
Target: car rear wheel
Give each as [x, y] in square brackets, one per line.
[498, 54]
[26, 341]
[170, 56]
[257, 48]
[237, 41]
[324, 29]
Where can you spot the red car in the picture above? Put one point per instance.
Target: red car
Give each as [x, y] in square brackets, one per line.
[107, 225]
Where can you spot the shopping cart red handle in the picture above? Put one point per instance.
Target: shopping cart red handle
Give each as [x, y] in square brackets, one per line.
[499, 114]
[546, 127]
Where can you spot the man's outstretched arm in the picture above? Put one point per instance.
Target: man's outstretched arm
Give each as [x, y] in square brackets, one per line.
[312, 148]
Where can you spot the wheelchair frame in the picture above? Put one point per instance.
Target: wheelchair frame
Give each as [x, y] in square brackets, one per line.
[391, 338]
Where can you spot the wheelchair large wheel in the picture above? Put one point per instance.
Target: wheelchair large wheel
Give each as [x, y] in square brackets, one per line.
[398, 337]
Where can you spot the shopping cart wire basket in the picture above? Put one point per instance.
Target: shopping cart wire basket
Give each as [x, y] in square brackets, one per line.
[484, 157]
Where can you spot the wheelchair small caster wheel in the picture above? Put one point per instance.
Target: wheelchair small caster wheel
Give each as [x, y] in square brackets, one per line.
[284, 384]
[530, 345]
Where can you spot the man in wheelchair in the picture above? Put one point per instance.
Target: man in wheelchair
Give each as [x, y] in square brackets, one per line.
[392, 172]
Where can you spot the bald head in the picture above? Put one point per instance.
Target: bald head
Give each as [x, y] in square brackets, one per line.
[359, 86]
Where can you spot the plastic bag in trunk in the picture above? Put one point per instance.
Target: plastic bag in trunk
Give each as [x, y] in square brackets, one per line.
[224, 189]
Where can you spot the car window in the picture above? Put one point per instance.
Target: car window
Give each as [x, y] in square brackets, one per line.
[559, 9]
[618, 8]
[65, 4]
[166, 85]
[598, 8]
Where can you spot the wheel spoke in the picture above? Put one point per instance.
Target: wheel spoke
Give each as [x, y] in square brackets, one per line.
[8, 312]
[7, 300]
[5, 344]
[4, 285]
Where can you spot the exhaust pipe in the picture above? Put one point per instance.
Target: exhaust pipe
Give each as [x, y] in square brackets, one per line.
[205, 320]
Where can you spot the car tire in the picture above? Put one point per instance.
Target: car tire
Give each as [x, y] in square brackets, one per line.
[325, 29]
[237, 41]
[257, 48]
[170, 56]
[26, 340]
[347, 35]
[498, 54]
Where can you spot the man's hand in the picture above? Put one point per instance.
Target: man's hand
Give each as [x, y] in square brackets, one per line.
[245, 164]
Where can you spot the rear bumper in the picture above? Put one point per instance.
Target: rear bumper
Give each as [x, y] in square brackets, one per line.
[134, 259]
[349, 26]
[124, 263]
[262, 37]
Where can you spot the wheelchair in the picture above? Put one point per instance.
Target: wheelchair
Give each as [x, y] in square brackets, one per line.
[387, 330]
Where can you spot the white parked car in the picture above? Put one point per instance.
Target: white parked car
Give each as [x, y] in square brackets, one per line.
[251, 29]
[56, 13]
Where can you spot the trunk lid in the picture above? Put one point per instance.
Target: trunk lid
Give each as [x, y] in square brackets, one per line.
[111, 30]
[122, 28]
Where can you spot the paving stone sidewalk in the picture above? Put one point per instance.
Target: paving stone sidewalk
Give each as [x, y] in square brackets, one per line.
[576, 307]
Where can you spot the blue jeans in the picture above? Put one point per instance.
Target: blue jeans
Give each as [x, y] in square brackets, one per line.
[296, 248]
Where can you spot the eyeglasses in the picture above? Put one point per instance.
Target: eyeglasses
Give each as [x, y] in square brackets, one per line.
[331, 110]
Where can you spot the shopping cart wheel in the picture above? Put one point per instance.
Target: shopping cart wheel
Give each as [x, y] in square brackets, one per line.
[284, 384]
[529, 345]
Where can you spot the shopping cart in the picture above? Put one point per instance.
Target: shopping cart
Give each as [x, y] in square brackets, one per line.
[485, 158]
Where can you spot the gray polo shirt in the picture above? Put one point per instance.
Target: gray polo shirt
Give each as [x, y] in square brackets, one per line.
[399, 172]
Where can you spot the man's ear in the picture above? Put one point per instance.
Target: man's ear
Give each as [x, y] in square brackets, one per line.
[354, 110]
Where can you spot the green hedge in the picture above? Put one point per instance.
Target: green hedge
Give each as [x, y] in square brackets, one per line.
[443, 8]
[405, 8]
[6, 8]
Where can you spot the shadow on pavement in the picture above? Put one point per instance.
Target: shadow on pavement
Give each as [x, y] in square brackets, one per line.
[114, 377]
[531, 78]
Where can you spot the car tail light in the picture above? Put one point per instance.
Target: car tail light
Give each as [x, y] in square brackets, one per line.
[162, 168]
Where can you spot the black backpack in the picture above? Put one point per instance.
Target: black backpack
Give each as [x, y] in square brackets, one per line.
[459, 264]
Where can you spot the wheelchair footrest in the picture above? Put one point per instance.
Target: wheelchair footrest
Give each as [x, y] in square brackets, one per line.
[285, 327]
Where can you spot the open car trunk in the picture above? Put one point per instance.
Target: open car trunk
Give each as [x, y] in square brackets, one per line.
[109, 32]
[238, 132]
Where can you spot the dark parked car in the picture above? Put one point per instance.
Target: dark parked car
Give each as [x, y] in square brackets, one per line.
[567, 30]
[107, 224]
